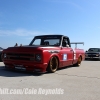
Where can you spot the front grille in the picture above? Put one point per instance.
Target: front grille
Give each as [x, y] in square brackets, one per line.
[92, 54]
[20, 56]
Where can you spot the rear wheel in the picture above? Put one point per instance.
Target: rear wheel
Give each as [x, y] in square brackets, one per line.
[53, 64]
[79, 61]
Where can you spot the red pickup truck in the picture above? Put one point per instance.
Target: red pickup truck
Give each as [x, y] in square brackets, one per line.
[44, 53]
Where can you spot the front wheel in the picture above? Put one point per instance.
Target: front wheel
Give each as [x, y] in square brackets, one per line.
[53, 64]
[0, 59]
[86, 58]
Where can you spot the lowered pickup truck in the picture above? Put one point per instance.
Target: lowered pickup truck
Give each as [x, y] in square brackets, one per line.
[44, 53]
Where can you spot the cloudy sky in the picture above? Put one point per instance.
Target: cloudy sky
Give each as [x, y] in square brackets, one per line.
[21, 20]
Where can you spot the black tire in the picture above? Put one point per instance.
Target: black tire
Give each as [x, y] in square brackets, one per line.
[0, 59]
[86, 58]
[53, 65]
[78, 62]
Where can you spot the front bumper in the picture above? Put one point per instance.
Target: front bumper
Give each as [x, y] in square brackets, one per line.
[26, 66]
[92, 57]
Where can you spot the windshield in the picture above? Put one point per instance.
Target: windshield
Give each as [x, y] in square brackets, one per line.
[46, 40]
[94, 50]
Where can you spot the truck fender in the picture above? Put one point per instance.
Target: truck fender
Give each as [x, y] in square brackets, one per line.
[80, 55]
[76, 57]
[52, 56]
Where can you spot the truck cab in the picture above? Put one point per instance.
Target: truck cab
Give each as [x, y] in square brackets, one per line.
[44, 53]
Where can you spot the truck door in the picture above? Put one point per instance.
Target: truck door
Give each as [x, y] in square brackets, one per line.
[67, 53]
[67, 56]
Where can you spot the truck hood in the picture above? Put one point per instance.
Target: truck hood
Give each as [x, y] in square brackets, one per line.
[30, 48]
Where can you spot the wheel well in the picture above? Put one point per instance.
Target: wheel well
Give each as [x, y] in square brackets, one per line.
[58, 60]
[81, 57]
[49, 61]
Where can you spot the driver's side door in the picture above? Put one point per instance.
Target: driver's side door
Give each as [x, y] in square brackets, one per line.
[67, 56]
[67, 53]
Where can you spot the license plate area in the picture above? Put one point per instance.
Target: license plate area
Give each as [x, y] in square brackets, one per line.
[20, 67]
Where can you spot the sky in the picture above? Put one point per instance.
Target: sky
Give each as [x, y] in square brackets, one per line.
[21, 20]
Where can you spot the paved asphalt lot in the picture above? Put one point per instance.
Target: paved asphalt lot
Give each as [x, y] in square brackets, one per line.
[79, 83]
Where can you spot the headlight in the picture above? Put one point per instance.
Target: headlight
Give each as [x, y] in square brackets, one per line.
[97, 54]
[5, 55]
[38, 57]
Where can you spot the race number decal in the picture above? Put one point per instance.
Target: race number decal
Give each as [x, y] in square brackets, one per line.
[64, 56]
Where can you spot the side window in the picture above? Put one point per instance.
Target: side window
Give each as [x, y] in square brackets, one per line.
[37, 42]
[65, 42]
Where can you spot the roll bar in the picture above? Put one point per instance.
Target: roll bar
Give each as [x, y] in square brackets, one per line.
[77, 43]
